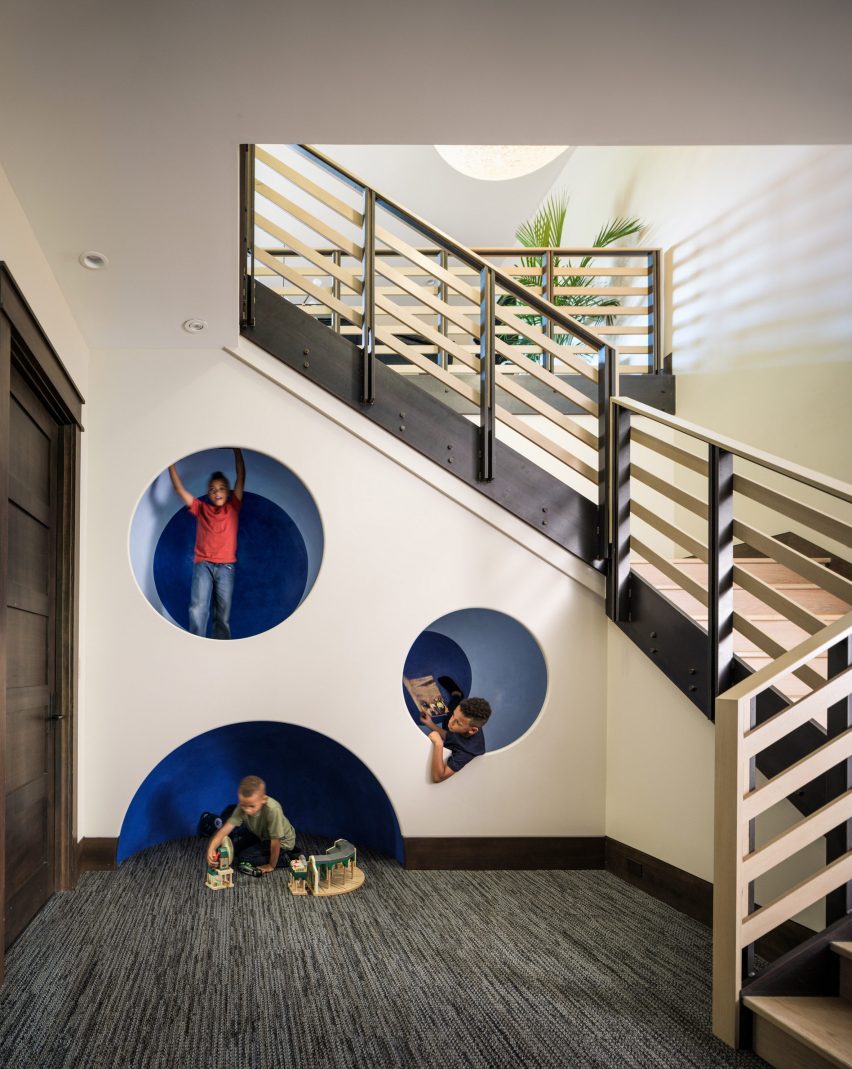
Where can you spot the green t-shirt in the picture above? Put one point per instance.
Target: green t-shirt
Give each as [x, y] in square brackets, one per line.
[267, 823]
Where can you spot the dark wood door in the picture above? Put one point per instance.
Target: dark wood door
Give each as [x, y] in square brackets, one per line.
[31, 615]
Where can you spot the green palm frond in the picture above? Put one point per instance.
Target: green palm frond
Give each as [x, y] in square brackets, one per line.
[616, 230]
[545, 230]
[546, 226]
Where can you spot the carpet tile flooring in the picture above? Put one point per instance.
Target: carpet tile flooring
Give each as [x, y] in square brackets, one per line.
[144, 968]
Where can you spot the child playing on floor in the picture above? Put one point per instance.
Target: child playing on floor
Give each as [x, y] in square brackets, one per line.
[263, 837]
[460, 733]
[214, 563]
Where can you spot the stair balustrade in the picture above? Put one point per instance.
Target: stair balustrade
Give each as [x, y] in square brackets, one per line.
[446, 315]
[744, 557]
[752, 548]
[741, 800]
[632, 322]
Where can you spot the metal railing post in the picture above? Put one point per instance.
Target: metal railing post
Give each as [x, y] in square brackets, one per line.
[247, 283]
[618, 574]
[549, 295]
[368, 303]
[443, 294]
[838, 781]
[607, 388]
[486, 374]
[655, 313]
[336, 258]
[720, 571]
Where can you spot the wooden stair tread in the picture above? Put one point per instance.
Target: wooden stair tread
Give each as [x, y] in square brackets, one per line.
[770, 571]
[844, 950]
[813, 599]
[822, 1024]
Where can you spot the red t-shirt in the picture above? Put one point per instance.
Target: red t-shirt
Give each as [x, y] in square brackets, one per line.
[216, 530]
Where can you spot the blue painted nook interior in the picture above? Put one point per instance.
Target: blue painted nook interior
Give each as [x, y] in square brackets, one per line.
[271, 572]
[490, 655]
[323, 788]
[279, 550]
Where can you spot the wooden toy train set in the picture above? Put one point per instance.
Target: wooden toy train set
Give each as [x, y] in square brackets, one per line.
[335, 872]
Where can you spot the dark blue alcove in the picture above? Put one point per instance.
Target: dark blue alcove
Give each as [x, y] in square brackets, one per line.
[271, 573]
[279, 549]
[435, 655]
[490, 655]
[323, 788]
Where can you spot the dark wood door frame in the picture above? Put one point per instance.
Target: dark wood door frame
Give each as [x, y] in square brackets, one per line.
[24, 345]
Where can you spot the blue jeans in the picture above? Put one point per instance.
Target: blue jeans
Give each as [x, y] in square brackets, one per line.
[211, 583]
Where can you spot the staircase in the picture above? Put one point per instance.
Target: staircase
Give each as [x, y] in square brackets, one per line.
[729, 567]
[801, 1030]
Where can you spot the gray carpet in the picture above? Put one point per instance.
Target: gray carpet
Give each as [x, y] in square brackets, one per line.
[144, 967]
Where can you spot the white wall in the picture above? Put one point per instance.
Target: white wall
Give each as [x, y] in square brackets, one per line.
[760, 259]
[660, 758]
[399, 553]
[30, 269]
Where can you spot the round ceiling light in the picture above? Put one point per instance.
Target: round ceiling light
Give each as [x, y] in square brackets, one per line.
[93, 261]
[194, 326]
[497, 163]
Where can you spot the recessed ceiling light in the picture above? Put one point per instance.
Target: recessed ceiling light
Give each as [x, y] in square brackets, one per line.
[195, 326]
[93, 261]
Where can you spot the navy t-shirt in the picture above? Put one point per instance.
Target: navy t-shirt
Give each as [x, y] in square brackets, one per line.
[463, 748]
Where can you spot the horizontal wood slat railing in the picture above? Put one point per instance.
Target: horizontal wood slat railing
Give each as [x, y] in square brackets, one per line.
[728, 549]
[638, 315]
[503, 340]
[740, 802]
[756, 550]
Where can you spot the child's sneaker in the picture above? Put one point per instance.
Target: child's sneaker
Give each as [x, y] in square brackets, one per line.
[247, 869]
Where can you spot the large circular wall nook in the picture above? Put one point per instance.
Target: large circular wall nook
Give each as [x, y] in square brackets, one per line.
[279, 544]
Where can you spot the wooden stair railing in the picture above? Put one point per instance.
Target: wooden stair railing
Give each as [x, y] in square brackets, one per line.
[750, 554]
[741, 801]
[714, 526]
[630, 274]
[355, 259]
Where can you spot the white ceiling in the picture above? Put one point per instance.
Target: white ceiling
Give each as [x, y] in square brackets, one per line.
[119, 122]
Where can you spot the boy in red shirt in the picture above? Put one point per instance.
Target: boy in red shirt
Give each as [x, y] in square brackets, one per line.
[217, 523]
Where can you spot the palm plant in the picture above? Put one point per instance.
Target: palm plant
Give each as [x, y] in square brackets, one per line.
[544, 230]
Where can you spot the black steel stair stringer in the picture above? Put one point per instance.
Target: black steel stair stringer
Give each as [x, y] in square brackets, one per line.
[677, 645]
[425, 423]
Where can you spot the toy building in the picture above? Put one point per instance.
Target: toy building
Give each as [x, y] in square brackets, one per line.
[335, 872]
[221, 875]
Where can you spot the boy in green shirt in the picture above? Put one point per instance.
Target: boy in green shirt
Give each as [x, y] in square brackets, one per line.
[266, 838]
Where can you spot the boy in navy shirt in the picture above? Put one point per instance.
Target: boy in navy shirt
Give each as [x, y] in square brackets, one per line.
[461, 734]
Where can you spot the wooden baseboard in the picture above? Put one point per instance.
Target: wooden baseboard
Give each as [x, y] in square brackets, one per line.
[96, 855]
[558, 852]
[685, 892]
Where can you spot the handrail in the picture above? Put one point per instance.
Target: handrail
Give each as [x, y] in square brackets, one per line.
[461, 252]
[791, 660]
[526, 250]
[730, 631]
[739, 740]
[836, 487]
[567, 250]
[511, 324]
[737, 921]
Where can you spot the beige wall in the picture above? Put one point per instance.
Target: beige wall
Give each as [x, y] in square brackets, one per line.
[759, 254]
[659, 755]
